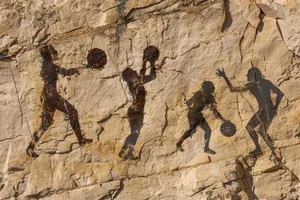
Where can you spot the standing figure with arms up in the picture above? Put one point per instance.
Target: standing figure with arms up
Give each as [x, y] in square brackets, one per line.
[261, 89]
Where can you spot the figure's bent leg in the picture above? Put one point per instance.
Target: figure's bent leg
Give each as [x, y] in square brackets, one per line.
[47, 120]
[263, 128]
[65, 107]
[204, 125]
[193, 121]
[136, 123]
[187, 134]
[254, 122]
[129, 145]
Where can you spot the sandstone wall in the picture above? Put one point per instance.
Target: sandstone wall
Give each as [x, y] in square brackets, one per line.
[194, 38]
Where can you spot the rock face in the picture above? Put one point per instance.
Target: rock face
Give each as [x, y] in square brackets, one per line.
[94, 130]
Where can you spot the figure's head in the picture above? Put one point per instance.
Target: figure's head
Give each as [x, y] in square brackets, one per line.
[48, 51]
[96, 58]
[151, 54]
[128, 74]
[254, 74]
[208, 87]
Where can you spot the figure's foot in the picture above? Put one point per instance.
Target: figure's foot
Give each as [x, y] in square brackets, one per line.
[130, 156]
[256, 151]
[85, 141]
[30, 150]
[121, 153]
[179, 147]
[208, 150]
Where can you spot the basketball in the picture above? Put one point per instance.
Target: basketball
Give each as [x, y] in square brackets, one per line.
[228, 129]
[96, 59]
[151, 53]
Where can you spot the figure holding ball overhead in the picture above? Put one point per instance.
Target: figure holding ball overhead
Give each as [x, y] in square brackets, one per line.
[204, 98]
[136, 87]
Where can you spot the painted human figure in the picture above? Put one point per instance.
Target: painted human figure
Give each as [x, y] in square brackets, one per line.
[136, 87]
[52, 101]
[261, 89]
[204, 98]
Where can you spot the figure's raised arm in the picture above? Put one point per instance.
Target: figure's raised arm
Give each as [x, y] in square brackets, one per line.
[151, 54]
[152, 74]
[221, 73]
[143, 70]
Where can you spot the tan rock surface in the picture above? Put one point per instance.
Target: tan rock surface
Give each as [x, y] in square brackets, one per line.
[194, 38]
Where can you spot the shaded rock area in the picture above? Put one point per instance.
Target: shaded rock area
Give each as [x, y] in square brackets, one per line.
[66, 98]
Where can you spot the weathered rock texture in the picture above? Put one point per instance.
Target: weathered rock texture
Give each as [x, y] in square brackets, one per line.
[194, 37]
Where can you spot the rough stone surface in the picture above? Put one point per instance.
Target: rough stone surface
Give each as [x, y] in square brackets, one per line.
[194, 38]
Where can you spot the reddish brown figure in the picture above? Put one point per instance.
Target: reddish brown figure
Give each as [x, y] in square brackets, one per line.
[52, 101]
[135, 112]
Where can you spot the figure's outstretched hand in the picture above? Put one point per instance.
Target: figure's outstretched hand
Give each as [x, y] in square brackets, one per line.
[221, 73]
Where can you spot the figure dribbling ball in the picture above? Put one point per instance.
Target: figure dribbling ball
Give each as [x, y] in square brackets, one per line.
[96, 59]
[151, 53]
[228, 129]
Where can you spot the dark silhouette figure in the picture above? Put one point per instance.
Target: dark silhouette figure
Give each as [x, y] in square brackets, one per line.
[135, 112]
[261, 89]
[204, 98]
[52, 101]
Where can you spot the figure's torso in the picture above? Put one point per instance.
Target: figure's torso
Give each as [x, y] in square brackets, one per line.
[138, 93]
[49, 75]
[262, 92]
[201, 101]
